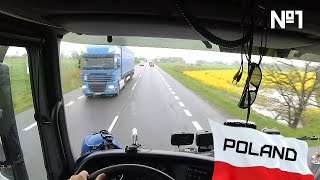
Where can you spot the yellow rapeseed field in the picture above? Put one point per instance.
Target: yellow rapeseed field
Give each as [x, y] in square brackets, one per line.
[222, 80]
[219, 79]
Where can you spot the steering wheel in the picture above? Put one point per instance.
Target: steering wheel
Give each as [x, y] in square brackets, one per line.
[127, 168]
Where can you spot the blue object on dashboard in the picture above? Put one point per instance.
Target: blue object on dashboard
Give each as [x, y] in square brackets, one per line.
[97, 141]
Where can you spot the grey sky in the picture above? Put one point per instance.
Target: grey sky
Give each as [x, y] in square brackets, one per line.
[189, 55]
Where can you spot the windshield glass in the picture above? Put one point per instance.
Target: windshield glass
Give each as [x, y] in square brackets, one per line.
[98, 62]
[161, 91]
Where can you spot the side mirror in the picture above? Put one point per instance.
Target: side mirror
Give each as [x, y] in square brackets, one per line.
[12, 151]
[6, 106]
[6, 171]
[2, 156]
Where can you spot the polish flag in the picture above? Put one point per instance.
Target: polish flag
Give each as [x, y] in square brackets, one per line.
[248, 154]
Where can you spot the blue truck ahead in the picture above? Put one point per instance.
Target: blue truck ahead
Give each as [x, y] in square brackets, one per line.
[106, 69]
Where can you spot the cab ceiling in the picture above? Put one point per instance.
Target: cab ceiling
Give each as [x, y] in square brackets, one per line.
[162, 19]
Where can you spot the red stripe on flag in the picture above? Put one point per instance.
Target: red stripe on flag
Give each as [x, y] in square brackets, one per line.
[225, 171]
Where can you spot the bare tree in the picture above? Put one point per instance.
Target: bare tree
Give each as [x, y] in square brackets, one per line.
[296, 85]
[75, 55]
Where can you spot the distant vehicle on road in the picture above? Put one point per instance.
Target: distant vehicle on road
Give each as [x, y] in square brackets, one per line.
[106, 69]
[151, 64]
[141, 64]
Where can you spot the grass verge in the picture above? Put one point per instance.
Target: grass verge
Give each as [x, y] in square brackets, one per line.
[20, 80]
[227, 104]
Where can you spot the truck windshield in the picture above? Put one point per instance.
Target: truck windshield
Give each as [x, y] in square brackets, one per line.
[98, 62]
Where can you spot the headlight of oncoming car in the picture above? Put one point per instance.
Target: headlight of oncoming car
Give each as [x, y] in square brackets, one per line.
[111, 86]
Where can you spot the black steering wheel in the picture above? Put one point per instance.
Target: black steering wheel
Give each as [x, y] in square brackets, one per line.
[127, 168]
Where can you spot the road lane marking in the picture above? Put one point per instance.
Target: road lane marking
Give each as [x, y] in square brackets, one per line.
[80, 97]
[172, 92]
[113, 123]
[69, 103]
[188, 113]
[197, 125]
[30, 127]
[176, 97]
[181, 104]
[170, 89]
[134, 86]
[167, 85]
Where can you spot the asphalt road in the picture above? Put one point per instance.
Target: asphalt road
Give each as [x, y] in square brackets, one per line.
[153, 102]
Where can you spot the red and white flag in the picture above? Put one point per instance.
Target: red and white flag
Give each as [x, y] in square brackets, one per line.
[248, 154]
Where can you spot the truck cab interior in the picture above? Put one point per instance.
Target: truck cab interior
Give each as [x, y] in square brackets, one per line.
[40, 26]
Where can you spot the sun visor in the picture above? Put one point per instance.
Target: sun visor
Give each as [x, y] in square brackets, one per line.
[139, 42]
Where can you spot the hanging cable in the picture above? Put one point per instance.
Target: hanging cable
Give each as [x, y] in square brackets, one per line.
[262, 51]
[208, 35]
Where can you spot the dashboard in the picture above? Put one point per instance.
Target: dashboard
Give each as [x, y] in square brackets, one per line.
[179, 165]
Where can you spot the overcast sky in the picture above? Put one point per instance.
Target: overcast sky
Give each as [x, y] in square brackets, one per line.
[189, 56]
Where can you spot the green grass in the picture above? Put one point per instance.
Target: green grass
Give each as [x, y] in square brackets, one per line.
[70, 75]
[20, 83]
[20, 80]
[227, 104]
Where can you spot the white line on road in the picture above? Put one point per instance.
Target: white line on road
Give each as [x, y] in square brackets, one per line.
[181, 104]
[134, 86]
[30, 127]
[176, 97]
[188, 113]
[80, 97]
[167, 85]
[172, 92]
[113, 123]
[197, 125]
[170, 89]
[69, 103]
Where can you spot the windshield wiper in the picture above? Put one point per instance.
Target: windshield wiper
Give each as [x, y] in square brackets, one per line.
[308, 138]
